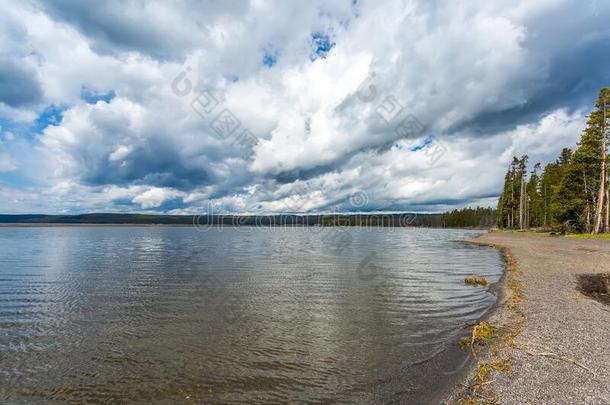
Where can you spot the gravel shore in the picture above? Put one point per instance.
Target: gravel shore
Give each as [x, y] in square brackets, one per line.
[553, 347]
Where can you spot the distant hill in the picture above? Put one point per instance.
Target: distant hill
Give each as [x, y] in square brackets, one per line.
[392, 219]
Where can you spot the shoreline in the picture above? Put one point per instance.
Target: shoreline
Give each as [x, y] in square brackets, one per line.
[458, 388]
[461, 390]
[539, 353]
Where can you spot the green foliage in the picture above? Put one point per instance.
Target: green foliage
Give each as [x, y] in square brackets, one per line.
[549, 183]
[589, 236]
[509, 206]
[535, 203]
[564, 195]
[576, 195]
[478, 217]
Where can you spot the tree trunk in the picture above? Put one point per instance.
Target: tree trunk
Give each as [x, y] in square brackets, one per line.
[512, 202]
[607, 222]
[588, 208]
[600, 197]
[521, 203]
[545, 204]
[527, 212]
[602, 176]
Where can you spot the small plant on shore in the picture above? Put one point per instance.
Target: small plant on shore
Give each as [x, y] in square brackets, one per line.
[482, 377]
[474, 401]
[484, 373]
[474, 280]
[481, 332]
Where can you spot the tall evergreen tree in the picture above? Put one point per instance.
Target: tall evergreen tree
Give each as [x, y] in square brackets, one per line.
[549, 183]
[511, 205]
[504, 207]
[534, 214]
[598, 122]
[522, 170]
[574, 201]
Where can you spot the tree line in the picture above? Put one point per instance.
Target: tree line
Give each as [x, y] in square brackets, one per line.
[569, 194]
[478, 217]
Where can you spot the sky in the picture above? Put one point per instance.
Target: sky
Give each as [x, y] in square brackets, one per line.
[191, 107]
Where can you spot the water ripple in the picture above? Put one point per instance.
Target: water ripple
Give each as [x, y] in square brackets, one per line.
[235, 315]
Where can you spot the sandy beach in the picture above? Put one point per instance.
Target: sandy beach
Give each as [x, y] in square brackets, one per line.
[552, 343]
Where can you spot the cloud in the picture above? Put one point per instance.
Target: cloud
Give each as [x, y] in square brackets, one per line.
[154, 197]
[18, 84]
[321, 85]
[7, 163]
[115, 27]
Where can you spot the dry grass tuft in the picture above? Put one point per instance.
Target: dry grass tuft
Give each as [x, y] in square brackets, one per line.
[474, 280]
[481, 332]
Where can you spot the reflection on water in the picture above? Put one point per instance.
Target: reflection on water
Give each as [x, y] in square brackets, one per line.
[235, 315]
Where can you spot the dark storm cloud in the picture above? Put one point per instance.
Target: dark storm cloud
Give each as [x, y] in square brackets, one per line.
[110, 28]
[162, 31]
[294, 175]
[574, 44]
[154, 163]
[18, 84]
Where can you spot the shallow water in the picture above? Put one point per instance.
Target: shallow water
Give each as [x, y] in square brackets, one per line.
[267, 315]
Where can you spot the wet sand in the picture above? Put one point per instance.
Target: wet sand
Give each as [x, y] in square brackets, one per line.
[553, 342]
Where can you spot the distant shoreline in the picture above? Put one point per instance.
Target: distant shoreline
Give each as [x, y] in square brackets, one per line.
[210, 220]
[479, 218]
[111, 225]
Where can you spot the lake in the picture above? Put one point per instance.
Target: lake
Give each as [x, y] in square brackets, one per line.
[234, 315]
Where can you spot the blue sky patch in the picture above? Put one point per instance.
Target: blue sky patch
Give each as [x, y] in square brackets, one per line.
[92, 96]
[52, 115]
[7, 125]
[322, 44]
[269, 59]
[427, 142]
[15, 179]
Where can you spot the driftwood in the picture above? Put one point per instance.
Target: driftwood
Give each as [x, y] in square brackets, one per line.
[557, 357]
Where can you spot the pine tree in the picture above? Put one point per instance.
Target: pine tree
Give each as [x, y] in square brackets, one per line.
[534, 200]
[574, 201]
[549, 183]
[469, 218]
[571, 193]
[598, 122]
[522, 169]
[504, 203]
[512, 203]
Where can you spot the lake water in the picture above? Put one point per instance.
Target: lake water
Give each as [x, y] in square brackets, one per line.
[234, 315]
